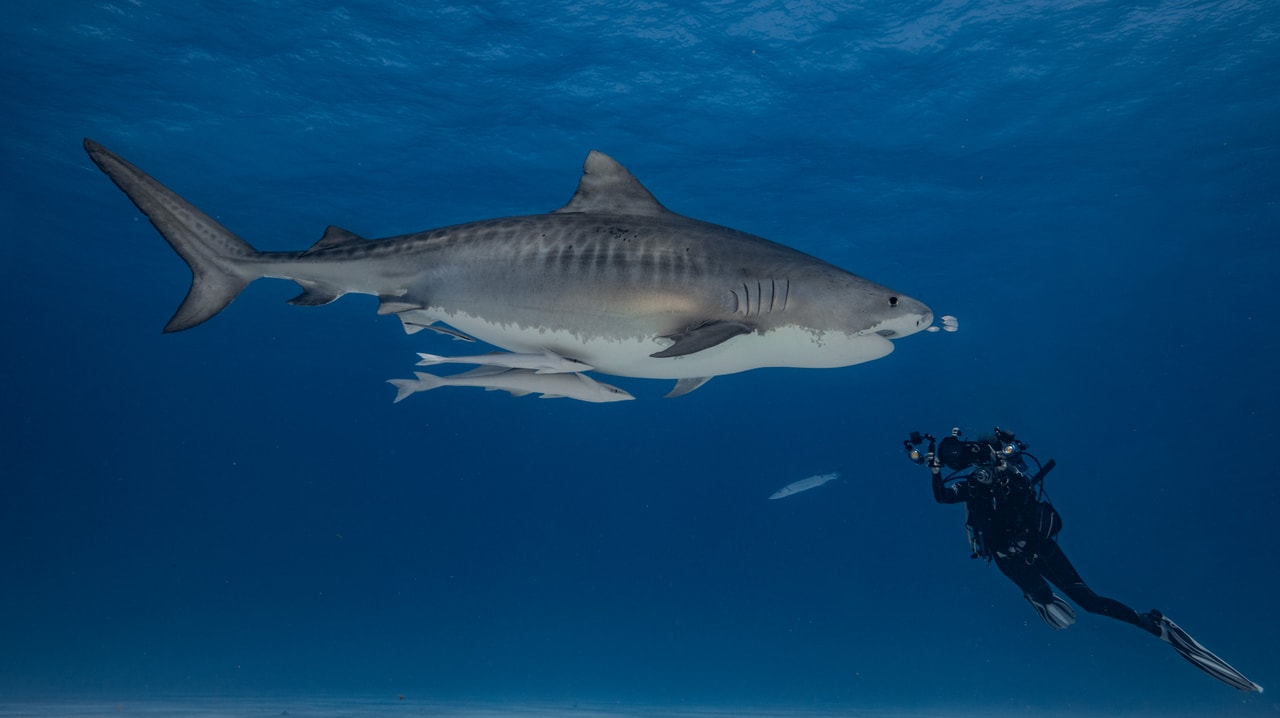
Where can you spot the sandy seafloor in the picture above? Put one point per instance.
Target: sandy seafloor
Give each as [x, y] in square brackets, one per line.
[216, 707]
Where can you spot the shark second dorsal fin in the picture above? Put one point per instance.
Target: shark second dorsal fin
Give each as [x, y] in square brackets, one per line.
[335, 237]
[607, 187]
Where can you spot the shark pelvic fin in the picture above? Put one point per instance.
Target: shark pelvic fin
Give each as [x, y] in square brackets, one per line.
[686, 385]
[607, 187]
[390, 304]
[314, 294]
[702, 336]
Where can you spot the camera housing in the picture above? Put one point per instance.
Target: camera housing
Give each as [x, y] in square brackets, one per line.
[958, 454]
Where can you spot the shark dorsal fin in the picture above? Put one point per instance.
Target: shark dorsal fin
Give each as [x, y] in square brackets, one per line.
[607, 187]
[335, 237]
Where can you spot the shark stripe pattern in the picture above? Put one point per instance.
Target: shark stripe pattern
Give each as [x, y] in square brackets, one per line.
[613, 279]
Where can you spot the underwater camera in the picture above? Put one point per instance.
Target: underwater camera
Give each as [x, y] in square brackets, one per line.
[957, 454]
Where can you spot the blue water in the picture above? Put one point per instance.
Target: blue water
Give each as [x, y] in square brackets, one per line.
[239, 511]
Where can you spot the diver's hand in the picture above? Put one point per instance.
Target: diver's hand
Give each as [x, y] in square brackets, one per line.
[935, 466]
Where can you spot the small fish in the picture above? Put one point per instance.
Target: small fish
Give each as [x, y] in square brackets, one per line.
[796, 487]
[949, 324]
[518, 382]
[545, 363]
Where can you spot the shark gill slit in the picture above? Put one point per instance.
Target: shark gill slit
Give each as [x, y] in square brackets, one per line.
[603, 256]
[566, 259]
[648, 266]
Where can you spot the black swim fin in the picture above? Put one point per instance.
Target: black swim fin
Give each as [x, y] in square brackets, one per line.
[1199, 656]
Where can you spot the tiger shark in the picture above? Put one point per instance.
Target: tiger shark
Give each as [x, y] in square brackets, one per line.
[613, 279]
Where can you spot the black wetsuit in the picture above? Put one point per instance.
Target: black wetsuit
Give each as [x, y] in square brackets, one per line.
[1017, 531]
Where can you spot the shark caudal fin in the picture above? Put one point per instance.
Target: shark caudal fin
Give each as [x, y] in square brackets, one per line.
[215, 255]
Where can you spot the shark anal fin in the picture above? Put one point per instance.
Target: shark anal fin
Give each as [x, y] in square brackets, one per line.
[314, 295]
[686, 385]
[703, 336]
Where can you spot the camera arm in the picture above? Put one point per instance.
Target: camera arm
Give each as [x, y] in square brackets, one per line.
[912, 443]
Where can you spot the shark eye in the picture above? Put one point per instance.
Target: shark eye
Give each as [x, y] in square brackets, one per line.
[893, 301]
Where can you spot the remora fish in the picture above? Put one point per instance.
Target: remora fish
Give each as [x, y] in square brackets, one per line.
[519, 382]
[796, 487]
[613, 279]
[545, 363]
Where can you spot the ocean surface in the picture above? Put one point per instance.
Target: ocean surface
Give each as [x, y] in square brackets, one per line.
[236, 520]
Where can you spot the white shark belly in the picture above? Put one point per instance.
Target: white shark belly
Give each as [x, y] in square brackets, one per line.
[629, 355]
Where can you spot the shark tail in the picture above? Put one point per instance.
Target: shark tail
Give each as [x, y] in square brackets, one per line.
[406, 387]
[218, 259]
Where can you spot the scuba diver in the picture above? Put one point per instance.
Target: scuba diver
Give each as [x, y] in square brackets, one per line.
[1012, 523]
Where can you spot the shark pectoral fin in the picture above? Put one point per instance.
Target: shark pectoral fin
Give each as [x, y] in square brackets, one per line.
[703, 336]
[314, 294]
[686, 385]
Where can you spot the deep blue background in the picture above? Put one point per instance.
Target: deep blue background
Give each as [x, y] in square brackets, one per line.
[239, 509]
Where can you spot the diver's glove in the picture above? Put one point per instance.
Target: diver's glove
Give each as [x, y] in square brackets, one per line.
[935, 466]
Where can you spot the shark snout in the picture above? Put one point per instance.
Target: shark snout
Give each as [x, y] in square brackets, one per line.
[905, 316]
